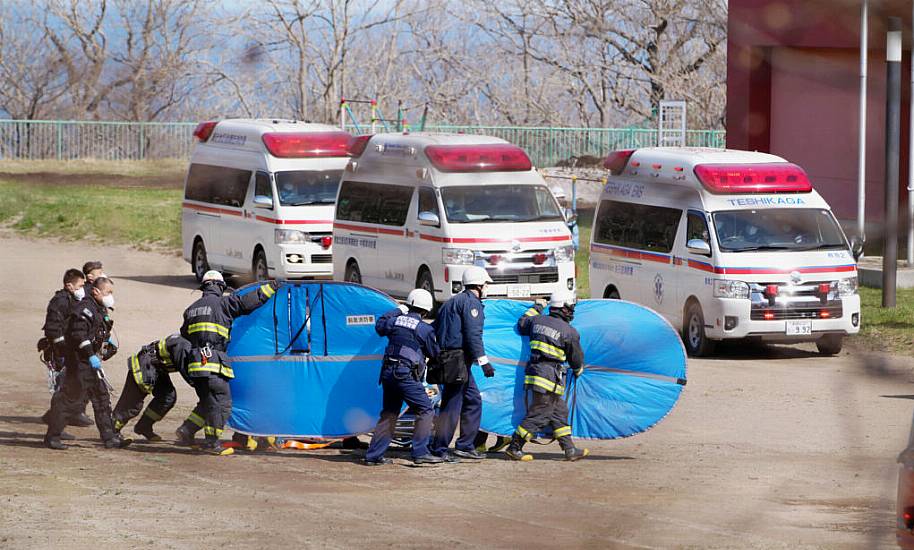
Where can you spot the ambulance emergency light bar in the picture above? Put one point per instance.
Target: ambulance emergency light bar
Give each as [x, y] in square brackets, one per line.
[307, 144]
[779, 177]
[204, 130]
[487, 157]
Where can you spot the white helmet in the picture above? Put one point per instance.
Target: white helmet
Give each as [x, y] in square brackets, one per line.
[420, 299]
[475, 275]
[558, 192]
[562, 298]
[212, 276]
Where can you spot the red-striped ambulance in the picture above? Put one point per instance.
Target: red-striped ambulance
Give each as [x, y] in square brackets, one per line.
[258, 198]
[724, 244]
[415, 210]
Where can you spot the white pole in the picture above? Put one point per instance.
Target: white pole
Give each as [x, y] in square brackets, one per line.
[861, 145]
[911, 161]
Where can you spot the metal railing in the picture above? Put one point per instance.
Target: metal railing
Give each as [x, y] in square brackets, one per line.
[81, 140]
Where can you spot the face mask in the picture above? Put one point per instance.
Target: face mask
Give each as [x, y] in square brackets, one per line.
[79, 293]
[483, 292]
[108, 301]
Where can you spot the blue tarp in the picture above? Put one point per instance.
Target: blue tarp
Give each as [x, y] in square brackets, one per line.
[307, 362]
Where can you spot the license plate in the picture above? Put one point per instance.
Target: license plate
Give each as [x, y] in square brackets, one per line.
[518, 291]
[799, 328]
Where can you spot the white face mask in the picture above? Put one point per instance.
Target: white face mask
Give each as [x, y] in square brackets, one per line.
[79, 293]
[108, 301]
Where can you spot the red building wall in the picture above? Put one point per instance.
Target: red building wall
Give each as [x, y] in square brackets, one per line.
[793, 90]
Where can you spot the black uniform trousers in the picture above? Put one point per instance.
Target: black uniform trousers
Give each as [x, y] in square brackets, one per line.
[214, 405]
[131, 401]
[81, 381]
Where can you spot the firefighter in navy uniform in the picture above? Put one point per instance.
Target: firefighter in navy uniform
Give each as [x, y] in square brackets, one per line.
[53, 346]
[88, 338]
[409, 342]
[459, 331]
[149, 372]
[553, 342]
[207, 326]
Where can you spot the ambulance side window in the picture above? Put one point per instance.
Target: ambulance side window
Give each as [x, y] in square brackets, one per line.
[217, 184]
[639, 226]
[428, 202]
[374, 203]
[697, 228]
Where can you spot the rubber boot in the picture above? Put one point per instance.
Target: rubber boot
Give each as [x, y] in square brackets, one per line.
[117, 442]
[185, 437]
[54, 443]
[500, 443]
[515, 450]
[144, 428]
[575, 453]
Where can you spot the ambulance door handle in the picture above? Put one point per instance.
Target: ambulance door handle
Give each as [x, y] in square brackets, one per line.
[208, 214]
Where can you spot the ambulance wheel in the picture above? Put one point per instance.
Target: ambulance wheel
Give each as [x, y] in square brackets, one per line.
[830, 344]
[200, 264]
[353, 275]
[259, 268]
[696, 342]
[425, 282]
[611, 293]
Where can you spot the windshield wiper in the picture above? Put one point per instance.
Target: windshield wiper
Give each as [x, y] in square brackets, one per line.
[305, 203]
[821, 246]
[760, 247]
[543, 217]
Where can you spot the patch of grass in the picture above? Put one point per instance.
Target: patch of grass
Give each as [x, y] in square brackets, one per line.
[582, 258]
[136, 168]
[146, 218]
[886, 329]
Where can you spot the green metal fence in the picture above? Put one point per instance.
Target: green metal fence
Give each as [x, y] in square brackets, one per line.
[78, 140]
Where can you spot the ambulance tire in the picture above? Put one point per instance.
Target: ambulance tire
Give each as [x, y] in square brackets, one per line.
[696, 342]
[424, 280]
[353, 274]
[198, 260]
[259, 269]
[830, 344]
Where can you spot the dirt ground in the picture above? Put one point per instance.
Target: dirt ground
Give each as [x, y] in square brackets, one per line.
[769, 447]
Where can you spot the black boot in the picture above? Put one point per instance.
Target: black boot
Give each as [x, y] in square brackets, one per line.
[145, 429]
[54, 443]
[81, 420]
[515, 450]
[117, 442]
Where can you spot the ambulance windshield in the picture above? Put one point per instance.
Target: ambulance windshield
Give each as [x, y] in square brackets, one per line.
[777, 229]
[499, 203]
[305, 187]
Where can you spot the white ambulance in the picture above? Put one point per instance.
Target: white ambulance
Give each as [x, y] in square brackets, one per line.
[414, 210]
[724, 244]
[258, 198]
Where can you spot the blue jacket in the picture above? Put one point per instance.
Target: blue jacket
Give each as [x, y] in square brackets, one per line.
[410, 340]
[459, 325]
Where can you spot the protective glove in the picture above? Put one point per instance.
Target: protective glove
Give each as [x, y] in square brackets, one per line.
[112, 341]
[95, 362]
[541, 303]
[579, 372]
[274, 284]
[488, 370]
[403, 309]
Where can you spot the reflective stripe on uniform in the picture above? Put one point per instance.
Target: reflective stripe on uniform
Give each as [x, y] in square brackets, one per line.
[196, 419]
[547, 385]
[85, 343]
[564, 431]
[217, 368]
[548, 349]
[209, 327]
[138, 375]
[524, 433]
[209, 430]
[163, 353]
[118, 424]
[154, 416]
[267, 290]
[532, 312]
[58, 340]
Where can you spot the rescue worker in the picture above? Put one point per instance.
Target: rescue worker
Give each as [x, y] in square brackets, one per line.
[553, 342]
[207, 326]
[86, 336]
[53, 344]
[93, 270]
[458, 328]
[409, 342]
[148, 372]
[571, 219]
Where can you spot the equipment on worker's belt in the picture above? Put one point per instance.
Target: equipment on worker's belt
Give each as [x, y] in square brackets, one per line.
[54, 365]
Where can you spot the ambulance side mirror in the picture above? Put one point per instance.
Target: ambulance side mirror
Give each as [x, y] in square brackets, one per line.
[263, 201]
[429, 219]
[856, 248]
[698, 246]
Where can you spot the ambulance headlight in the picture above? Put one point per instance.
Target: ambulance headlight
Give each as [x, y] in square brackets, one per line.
[564, 254]
[458, 256]
[730, 289]
[847, 287]
[291, 236]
